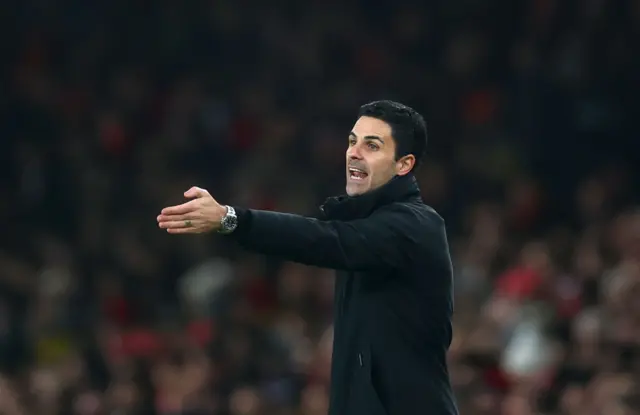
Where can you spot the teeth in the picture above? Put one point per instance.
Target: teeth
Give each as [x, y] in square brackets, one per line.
[357, 174]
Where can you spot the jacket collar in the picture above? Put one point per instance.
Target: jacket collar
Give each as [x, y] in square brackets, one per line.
[398, 189]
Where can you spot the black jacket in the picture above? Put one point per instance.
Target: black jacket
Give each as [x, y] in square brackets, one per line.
[393, 295]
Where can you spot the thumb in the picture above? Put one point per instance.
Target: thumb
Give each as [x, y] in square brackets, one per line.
[195, 192]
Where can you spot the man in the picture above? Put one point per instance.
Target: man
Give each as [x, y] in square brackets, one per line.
[393, 295]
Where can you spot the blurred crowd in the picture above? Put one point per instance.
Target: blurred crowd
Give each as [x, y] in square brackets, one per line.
[111, 110]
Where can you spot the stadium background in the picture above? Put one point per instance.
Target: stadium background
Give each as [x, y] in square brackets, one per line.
[110, 110]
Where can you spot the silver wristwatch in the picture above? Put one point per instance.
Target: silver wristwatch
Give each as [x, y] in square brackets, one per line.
[229, 222]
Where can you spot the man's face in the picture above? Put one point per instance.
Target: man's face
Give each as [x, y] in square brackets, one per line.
[371, 158]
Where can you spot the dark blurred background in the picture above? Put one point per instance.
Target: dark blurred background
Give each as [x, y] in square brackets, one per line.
[112, 109]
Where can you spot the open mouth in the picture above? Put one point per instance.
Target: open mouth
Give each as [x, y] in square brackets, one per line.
[357, 174]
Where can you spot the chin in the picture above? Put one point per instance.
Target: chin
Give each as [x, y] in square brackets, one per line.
[352, 192]
[355, 189]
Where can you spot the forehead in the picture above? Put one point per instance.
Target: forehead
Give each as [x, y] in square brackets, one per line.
[369, 126]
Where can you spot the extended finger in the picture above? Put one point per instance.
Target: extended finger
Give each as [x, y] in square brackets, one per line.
[176, 231]
[180, 209]
[176, 218]
[178, 224]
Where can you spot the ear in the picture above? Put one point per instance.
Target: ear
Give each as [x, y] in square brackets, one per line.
[405, 164]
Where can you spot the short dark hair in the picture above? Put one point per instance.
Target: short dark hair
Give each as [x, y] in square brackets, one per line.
[408, 127]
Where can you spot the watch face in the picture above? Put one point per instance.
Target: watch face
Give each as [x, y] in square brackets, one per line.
[230, 222]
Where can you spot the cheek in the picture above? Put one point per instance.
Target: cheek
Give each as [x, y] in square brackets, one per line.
[383, 171]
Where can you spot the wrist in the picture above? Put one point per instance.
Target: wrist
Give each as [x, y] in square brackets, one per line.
[229, 220]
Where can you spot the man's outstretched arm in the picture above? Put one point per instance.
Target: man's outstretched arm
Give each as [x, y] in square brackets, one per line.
[381, 241]
[378, 242]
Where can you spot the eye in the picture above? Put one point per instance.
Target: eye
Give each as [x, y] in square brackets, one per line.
[373, 146]
[352, 142]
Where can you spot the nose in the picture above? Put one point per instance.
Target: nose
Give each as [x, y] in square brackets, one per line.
[353, 153]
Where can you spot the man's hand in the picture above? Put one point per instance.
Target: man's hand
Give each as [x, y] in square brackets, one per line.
[202, 214]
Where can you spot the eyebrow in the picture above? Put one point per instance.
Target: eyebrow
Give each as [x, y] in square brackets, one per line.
[367, 137]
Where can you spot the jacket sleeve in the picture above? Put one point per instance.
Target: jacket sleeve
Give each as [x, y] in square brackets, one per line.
[383, 240]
